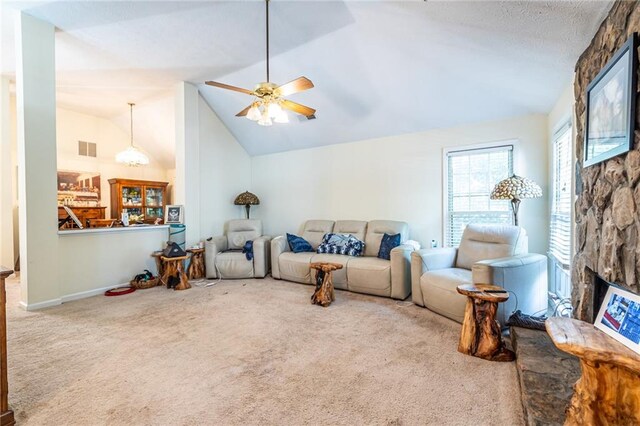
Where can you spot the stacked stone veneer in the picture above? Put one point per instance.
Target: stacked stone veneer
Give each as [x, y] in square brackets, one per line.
[608, 204]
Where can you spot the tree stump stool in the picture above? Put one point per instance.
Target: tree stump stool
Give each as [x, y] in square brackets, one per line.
[481, 336]
[324, 293]
[608, 391]
[196, 270]
[174, 266]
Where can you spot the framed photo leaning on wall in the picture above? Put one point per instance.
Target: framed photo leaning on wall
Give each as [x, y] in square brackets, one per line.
[619, 317]
[611, 106]
[174, 214]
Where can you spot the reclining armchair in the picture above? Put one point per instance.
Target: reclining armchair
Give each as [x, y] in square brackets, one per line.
[224, 257]
[488, 254]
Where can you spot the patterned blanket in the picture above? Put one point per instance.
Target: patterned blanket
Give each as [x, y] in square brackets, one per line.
[341, 244]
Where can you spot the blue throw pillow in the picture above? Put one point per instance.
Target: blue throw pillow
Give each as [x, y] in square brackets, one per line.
[388, 243]
[298, 244]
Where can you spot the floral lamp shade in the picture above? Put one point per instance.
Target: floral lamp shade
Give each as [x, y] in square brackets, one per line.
[516, 188]
[247, 199]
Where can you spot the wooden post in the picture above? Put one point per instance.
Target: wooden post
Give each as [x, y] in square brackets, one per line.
[6, 414]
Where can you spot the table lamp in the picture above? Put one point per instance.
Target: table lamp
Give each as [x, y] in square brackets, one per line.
[247, 199]
[515, 188]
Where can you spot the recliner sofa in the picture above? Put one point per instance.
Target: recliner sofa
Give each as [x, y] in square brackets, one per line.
[488, 254]
[366, 274]
[224, 257]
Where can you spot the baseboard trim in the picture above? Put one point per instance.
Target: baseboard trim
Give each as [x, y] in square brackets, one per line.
[67, 298]
[89, 293]
[40, 305]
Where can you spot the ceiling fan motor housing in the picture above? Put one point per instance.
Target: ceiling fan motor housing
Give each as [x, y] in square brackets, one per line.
[265, 88]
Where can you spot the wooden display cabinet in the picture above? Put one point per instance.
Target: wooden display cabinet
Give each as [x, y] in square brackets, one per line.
[138, 197]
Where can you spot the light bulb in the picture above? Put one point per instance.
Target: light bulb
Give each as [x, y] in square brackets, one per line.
[282, 117]
[254, 113]
[265, 120]
[274, 109]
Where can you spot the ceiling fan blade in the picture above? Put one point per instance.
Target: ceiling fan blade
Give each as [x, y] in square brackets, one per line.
[297, 108]
[228, 87]
[298, 85]
[244, 111]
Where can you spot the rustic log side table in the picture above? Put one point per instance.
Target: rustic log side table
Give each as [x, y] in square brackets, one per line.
[157, 255]
[608, 391]
[196, 269]
[324, 292]
[480, 335]
[174, 266]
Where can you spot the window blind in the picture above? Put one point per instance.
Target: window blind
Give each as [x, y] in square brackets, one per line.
[471, 176]
[560, 226]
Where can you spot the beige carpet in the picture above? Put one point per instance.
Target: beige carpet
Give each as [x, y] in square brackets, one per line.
[248, 352]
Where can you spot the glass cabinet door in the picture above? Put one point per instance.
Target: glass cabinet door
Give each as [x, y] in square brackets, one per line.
[154, 212]
[153, 197]
[131, 196]
[135, 214]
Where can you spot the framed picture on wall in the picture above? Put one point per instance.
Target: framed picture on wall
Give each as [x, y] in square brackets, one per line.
[174, 214]
[619, 317]
[611, 106]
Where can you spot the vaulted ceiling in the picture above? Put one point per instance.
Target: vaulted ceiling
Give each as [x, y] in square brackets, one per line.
[380, 67]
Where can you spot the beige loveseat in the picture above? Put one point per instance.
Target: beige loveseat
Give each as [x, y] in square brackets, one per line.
[488, 254]
[365, 274]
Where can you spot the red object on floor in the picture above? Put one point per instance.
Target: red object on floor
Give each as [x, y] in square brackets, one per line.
[119, 291]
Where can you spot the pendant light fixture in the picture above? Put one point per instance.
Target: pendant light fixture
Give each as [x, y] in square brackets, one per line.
[132, 156]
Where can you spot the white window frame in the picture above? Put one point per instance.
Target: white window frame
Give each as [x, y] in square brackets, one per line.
[564, 125]
[514, 143]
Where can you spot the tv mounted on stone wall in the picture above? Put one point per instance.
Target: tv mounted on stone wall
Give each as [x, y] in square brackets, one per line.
[611, 107]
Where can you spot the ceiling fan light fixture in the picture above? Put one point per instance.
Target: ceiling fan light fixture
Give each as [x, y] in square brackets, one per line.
[254, 113]
[265, 120]
[282, 118]
[269, 98]
[274, 109]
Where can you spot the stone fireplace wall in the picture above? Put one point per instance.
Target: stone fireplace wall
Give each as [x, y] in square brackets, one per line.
[608, 203]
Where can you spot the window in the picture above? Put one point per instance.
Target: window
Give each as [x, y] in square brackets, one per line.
[560, 226]
[471, 176]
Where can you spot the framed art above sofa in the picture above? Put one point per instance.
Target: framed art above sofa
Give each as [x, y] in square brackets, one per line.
[611, 105]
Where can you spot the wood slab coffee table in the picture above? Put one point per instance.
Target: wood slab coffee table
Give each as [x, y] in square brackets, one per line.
[324, 293]
[480, 335]
[608, 392]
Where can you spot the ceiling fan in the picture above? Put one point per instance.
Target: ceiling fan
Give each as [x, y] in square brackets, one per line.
[270, 105]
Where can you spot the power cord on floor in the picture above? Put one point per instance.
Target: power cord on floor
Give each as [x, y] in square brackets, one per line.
[204, 283]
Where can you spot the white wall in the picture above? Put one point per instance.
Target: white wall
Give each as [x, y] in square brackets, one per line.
[72, 127]
[225, 171]
[398, 178]
[36, 139]
[7, 168]
[93, 262]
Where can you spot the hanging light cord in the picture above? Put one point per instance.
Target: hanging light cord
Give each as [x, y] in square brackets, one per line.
[267, 7]
[131, 120]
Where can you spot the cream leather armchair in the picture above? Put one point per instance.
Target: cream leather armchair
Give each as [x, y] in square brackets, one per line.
[492, 254]
[224, 257]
